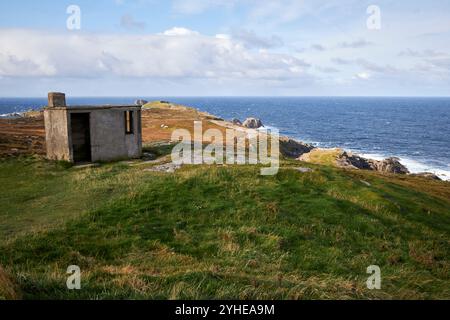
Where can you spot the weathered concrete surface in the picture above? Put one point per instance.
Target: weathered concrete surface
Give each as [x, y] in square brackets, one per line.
[133, 142]
[57, 134]
[107, 135]
[56, 99]
[108, 139]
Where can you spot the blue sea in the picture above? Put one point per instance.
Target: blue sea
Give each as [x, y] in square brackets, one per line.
[417, 130]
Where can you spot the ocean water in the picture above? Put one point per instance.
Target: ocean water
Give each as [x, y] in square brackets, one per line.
[417, 130]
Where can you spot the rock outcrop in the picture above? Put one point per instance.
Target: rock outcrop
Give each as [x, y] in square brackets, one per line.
[13, 115]
[427, 175]
[291, 148]
[349, 160]
[302, 169]
[253, 123]
[236, 122]
[390, 165]
[166, 167]
[344, 159]
[140, 102]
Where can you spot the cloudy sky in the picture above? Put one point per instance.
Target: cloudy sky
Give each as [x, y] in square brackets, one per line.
[225, 47]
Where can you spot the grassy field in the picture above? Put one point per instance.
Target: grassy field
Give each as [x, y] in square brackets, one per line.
[220, 232]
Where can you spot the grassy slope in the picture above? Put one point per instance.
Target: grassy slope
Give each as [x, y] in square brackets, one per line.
[222, 232]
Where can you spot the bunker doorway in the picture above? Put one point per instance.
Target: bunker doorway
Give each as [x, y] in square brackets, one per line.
[81, 137]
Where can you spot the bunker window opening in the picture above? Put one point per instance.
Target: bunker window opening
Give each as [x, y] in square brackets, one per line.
[129, 122]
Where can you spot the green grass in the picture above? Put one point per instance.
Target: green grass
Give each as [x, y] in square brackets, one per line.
[221, 232]
[158, 150]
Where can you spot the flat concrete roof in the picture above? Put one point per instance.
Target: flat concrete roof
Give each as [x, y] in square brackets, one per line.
[92, 107]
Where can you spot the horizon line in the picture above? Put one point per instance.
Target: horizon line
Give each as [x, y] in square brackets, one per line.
[229, 96]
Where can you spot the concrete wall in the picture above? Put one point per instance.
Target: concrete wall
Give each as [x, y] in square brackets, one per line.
[133, 142]
[109, 141]
[57, 134]
[108, 135]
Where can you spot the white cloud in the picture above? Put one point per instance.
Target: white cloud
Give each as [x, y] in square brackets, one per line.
[370, 66]
[327, 69]
[175, 53]
[223, 36]
[250, 39]
[422, 54]
[361, 43]
[177, 31]
[318, 47]
[341, 61]
[363, 76]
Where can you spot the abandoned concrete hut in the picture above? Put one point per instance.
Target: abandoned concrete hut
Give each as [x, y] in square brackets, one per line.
[91, 133]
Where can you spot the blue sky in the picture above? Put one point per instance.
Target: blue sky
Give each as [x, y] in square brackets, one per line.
[225, 47]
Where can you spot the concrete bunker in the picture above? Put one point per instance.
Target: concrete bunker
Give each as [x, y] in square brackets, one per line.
[91, 133]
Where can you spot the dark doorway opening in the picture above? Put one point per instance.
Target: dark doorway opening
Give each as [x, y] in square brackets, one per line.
[81, 137]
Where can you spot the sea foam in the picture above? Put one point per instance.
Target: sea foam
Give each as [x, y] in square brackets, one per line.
[414, 166]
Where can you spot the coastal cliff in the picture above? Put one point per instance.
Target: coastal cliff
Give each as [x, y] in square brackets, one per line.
[348, 160]
[25, 135]
[144, 229]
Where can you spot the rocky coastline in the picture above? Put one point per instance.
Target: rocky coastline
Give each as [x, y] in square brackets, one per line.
[23, 133]
[294, 149]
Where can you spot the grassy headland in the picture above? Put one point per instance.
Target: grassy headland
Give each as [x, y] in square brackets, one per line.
[221, 232]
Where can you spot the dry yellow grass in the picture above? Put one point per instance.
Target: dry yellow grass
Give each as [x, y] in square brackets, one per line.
[8, 290]
[322, 156]
[160, 119]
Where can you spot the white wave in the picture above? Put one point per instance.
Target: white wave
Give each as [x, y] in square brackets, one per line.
[413, 166]
[268, 128]
[11, 115]
[373, 156]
